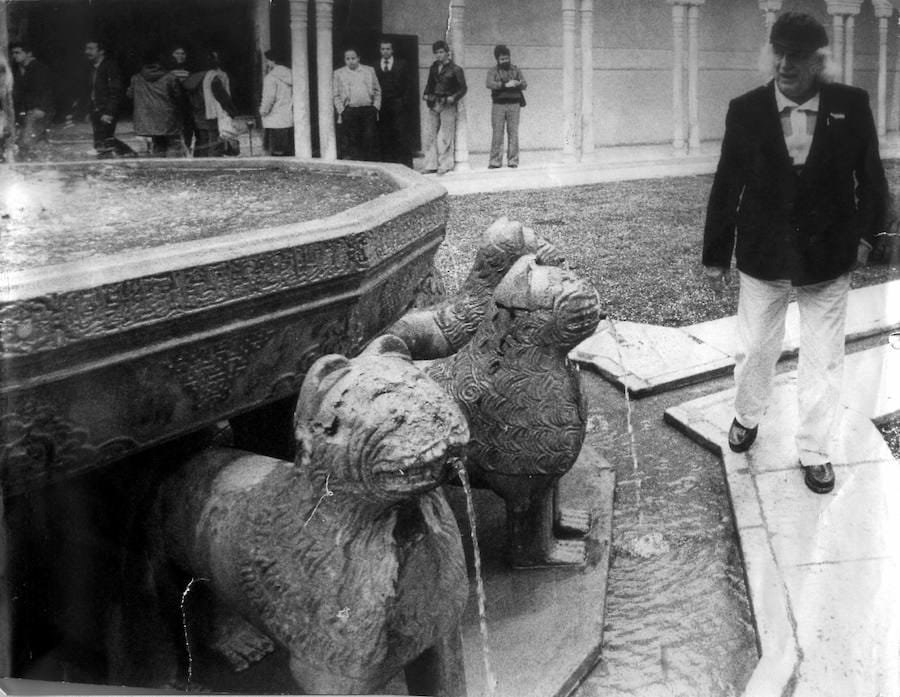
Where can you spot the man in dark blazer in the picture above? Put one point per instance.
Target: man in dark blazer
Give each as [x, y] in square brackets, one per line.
[393, 76]
[105, 94]
[799, 196]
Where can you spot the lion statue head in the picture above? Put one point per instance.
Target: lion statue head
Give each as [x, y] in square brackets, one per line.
[377, 425]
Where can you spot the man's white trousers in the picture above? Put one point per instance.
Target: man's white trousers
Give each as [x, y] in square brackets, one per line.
[762, 306]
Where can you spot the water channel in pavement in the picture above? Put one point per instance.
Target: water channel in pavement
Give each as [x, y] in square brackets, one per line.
[678, 621]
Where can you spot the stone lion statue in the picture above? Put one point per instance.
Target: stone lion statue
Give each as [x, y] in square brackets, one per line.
[447, 326]
[523, 402]
[349, 557]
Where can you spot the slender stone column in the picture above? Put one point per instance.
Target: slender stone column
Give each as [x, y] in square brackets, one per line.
[849, 26]
[568, 79]
[771, 8]
[458, 48]
[262, 41]
[693, 76]
[6, 88]
[894, 113]
[300, 74]
[324, 71]
[843, 13]
[883, 11]
[678, 16]
[837, 45]
[587, 76]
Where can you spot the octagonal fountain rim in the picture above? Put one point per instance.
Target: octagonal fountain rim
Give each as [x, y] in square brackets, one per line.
[412, 190]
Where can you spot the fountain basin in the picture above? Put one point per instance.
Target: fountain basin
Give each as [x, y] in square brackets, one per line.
[120, 334]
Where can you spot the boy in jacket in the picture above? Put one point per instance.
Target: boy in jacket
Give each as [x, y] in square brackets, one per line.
[445, 87]
[506, 83]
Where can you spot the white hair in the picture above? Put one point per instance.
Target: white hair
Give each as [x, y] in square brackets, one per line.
[827, 71]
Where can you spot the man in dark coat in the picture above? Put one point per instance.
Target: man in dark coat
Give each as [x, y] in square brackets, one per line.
[393, 76]
[801, 188]
[104, 96]
[158, 100]
[209, 99]
[32, 98]
[445, 87]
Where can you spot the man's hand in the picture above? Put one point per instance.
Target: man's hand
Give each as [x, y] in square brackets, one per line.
[38, 113]
[862, 255]
[106, 118]
[450, 100]
[512, 83]
[716, 278]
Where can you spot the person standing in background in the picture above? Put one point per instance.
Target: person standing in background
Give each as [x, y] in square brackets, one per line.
[357, 99]
[506, 83]
[105, 94]
[32, 99]
[393, 76]
[277, 107]
[158, 102]
[445, 87]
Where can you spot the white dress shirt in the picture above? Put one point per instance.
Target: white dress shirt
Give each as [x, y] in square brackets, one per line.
[798, 121]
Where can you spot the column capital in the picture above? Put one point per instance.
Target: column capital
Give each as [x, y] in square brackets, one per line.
[843, 7]
[298, 11]
[883, 8]
[569, 5]
[686, 3]
[770, 5]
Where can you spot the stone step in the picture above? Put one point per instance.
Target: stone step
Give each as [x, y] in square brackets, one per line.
[648, 359]
[822, 571]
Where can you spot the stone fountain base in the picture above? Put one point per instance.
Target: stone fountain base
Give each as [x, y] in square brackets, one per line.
[545, 625]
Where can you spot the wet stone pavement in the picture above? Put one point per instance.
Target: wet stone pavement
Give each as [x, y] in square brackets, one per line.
[678, 622]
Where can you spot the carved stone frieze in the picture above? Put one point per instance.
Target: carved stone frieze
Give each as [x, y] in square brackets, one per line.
[53, 322]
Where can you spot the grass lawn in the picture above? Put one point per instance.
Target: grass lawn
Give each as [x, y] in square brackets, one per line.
[639, 242]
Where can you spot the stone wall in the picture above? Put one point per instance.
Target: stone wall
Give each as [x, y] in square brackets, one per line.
[632, 61]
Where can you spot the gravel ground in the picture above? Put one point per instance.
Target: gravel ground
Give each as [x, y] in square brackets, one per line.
[639, 242]
[891, 432]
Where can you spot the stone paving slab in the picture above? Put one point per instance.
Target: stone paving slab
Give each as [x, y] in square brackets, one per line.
[545, 626]
[822, 571]
[648, 359]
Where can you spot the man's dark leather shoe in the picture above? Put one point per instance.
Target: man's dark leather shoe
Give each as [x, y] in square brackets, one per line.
[740, 438]
[819, 478]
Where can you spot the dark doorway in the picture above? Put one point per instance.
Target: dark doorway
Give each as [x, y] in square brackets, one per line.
[58, 29]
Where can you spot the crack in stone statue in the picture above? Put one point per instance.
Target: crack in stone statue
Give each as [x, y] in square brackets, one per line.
[358, 584]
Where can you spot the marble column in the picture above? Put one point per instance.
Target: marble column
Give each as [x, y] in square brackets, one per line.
[894, 112]
[6, 86]
[678, 17]
[849, 34]
[569, 19]
[300, 74]
[837, 45]
[458, 50]
[587, 77]
[771, 8]
[883, 11]
[843, 13]
[693, 75]
[324, 71]
[262, 41]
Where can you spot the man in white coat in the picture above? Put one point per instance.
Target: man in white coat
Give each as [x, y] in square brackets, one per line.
[276, 107]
